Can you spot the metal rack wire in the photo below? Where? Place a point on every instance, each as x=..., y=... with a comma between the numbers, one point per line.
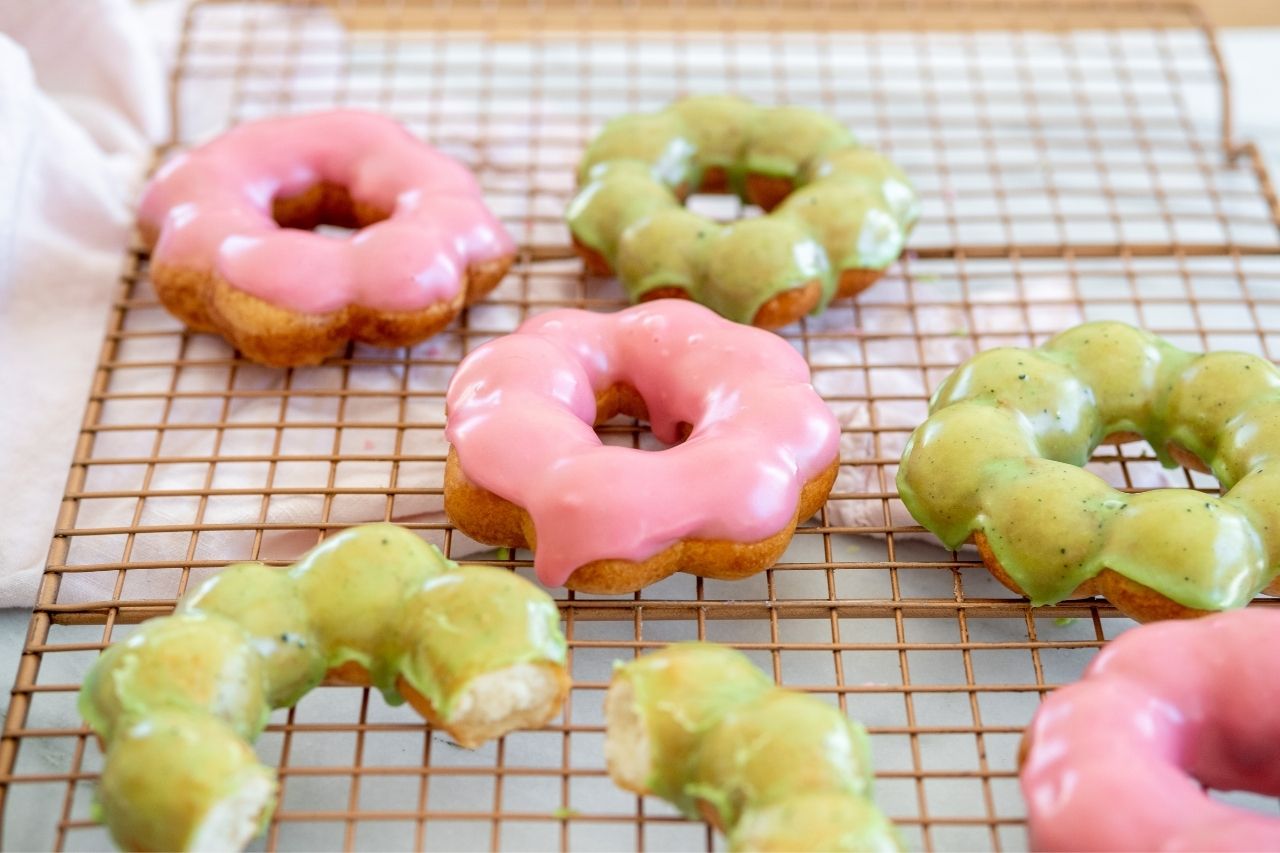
x=1068, y=173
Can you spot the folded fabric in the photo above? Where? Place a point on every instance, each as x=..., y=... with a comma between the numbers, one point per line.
x=75, y=137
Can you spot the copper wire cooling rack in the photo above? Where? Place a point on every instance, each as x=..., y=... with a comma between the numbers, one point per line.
x=1077, y=162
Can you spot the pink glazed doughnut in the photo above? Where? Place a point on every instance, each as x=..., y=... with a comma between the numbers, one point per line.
x=1116, y=760
x=527, y=469
x=232, y=252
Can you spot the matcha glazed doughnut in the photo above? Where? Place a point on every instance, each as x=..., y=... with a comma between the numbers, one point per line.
x=700, y=726
x=999, y=462
x=477, y=651
x=840, y=215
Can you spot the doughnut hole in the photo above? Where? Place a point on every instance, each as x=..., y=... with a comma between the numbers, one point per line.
x=1058, y=407
x=945, y=465
x=1047, y=547
x=1121, y=364
x=1213, y=390
x=325, y=204
x=622, y=400
x=1222, y=558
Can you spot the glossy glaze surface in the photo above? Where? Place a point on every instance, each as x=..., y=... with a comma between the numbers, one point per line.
x=852, y=208
x=1116, y=760
x=1001, y=450
x=779, y=770
x=254, y=638
x=521, y=411
x=212, y=208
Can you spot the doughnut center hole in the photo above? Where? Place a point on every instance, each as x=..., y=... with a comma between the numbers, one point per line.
x=721, y=207
x=325, y=208
x=616, y=407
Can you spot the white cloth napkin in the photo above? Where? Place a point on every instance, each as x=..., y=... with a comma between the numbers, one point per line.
x=75, y=136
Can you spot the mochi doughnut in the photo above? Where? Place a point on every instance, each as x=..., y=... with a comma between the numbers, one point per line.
x=700, y=726
x=838, y=213
x=999, y=462
x=754, y=448
x=477, y=651
x=1117, y=760
x=228, y=222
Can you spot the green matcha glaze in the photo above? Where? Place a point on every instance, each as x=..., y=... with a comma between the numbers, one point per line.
x=851, y=221
x=477, y=619
x=660, y=141
x=681, y=693
x=851, y=206
x=763, y=751
x=780, y=770
x=177, y=703
x=1058, y=408
x=784, y=140
x=753, y=260
x=997, y=455
x=188, y=662
x=624, y=195
x=667, y=249
x=869, y=167
x=719, y=127
x=267, y=604
x=369, y=570
x=167, y=772
x=833, y=822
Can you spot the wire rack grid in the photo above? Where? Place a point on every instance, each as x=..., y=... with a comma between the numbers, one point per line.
x=1076, y=162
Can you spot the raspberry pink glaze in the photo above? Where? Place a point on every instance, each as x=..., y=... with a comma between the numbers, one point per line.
x=212, y=208
x=1116, y=760
x=520, y=417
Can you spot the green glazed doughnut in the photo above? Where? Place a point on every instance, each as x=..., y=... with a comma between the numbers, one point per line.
x=183, y=780
x=998, y=462
x=265, y=603
x=477, y=650
x=700, y=726
x=840, y=213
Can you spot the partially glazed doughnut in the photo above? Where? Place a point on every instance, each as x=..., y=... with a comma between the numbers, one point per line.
x=1117, y=760
x=999, y=461
x=843, y=212
x=477, y=651
x=230, y=254
x=527, y=469
x=700, y=726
